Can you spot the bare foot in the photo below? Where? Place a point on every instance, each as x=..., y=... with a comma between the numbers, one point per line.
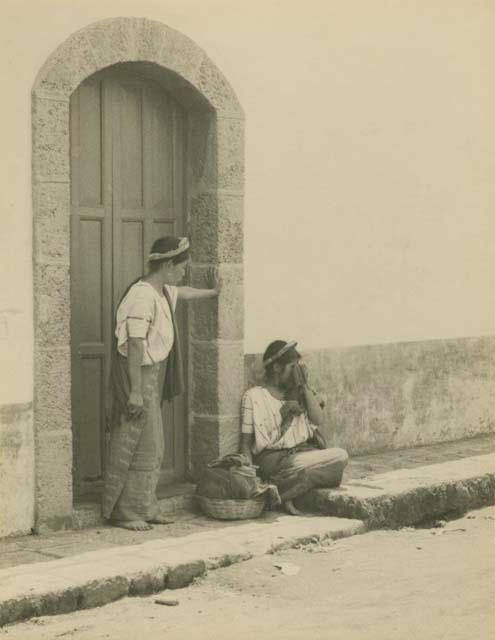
x=132, y=525
x=289, y=507
x=161, y=519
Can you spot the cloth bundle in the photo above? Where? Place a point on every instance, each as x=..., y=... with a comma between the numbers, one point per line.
x=232, y=477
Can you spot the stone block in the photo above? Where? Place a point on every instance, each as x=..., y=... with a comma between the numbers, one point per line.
x=205, y=443
x=230, y=378
x=230, y=229
x=216, y=88
x=148, y=582
x=54, y=478
x=204, y=228
x=100, y=592
x=217, y=158
x=203, y=151
x=51, y=117
x=170, y=49
x=52, y=304
x=217, y=228
x=217, y=378
x=150, y=36
x=230, y=154
x=204, y=358
x=114, y=40
x=211, y=437
x=18, y=609
x=52, y=400
x=203, y=318
x=224, y=318
x=59, y=602
x=50, y=140
x=183, y=574
x=45, y=525
x=52, y=222
x=231, y=304
x=71, y=63
x=228, y=559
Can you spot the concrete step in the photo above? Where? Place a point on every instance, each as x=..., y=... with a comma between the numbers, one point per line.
x=99, y=577
x=173, y=499
x=410, y=496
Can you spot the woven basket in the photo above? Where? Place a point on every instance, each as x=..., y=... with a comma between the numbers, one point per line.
x=232, y=509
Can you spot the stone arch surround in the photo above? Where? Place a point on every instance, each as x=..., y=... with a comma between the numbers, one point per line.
x=215, y=179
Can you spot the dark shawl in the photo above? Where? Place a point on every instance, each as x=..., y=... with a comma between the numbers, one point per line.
x=120, y=384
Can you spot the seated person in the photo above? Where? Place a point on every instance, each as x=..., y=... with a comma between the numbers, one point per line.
x=280, y=432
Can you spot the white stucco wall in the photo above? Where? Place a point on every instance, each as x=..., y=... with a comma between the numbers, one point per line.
x=369, y=150
x=370, y=156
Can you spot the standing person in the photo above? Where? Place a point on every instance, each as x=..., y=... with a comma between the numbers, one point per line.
x=280, y=429
x=146, y=370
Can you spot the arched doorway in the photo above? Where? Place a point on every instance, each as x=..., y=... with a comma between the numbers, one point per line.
x=82, y=205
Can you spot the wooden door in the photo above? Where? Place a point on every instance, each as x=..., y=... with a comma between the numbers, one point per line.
x=127, y=146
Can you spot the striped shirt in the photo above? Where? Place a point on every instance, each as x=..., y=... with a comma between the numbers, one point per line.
x=261, y=418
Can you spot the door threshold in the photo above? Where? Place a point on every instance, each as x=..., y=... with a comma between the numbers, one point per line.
x=175, y=489
x=173, y=498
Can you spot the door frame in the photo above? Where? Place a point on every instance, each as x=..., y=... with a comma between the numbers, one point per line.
x=214, y=217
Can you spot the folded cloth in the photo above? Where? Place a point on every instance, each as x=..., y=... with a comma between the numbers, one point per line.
x=232, y=477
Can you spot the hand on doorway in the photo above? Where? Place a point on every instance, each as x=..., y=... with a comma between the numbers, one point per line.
x=135, y=405
x=214, y=279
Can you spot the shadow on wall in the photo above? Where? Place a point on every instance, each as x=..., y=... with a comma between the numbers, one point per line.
x=401, y=395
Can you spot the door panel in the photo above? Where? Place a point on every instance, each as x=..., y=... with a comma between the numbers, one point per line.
x=90, y=283
x=90, y=440
x=159, y=151
x=86, y=138
x=127, y=190
x=132, y=243
x=128, y=115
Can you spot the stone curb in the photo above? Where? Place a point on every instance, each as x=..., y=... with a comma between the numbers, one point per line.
x=390, y=500
x=411, y=496
x=96, y=578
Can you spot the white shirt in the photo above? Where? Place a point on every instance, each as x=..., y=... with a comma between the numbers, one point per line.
x=261, y=417
x=144, y=313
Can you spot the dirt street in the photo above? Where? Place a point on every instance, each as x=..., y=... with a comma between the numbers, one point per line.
x=411, y=584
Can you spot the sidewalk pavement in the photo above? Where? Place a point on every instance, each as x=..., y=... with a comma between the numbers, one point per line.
x=95, y=578
x=402, y=488
x=62, y=572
